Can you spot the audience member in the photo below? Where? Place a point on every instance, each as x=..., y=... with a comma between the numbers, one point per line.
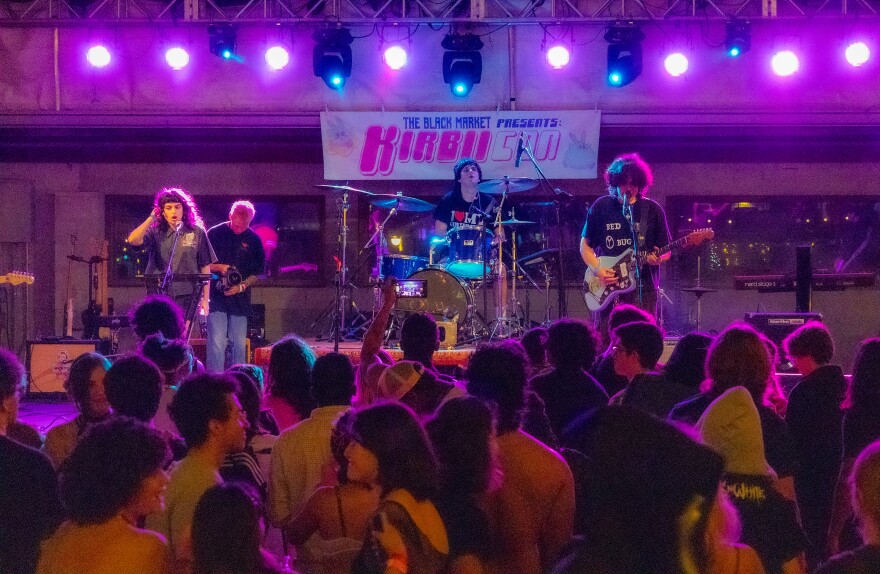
x=725, y=555
x=649, y=495
x=532, y=513
x=29, y=506
x=255, y=372
x=212, y=423
x=534, y=341
x=290, y=372
x=738, y=358
x=567, y=389
x=250, y=465
x=85, y=386
x=227, y=527
x=391, y=453
x=815, y=419
x=687, y=363
x=330, y=529
x=861, y=427
x=157, y=314
x=463, y=437
x=134, y=387
x=111, y=481
x=731, y=425
x=302, y=452
x=603, y=369
x=865, y=486
x=416, y=386
x=175, y=359
x=638, y=348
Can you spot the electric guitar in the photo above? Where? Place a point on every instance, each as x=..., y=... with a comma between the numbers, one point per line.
x=597, y=295
x=17, y=278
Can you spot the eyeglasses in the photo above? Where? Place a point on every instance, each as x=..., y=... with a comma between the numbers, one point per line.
x=616, y=348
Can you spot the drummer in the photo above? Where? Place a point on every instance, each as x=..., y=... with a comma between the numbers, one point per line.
x=466, y=206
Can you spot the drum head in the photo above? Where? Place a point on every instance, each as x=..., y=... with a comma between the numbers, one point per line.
x=449, y=298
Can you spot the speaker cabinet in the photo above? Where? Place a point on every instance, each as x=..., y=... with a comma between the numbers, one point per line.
x=778, y=326
x=49, y=363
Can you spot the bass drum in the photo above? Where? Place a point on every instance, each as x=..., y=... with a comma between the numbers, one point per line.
x=449, y=298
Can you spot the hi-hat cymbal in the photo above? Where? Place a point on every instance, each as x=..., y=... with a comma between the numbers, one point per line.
x=343, y=188
x=401, y=202
x=510, y=185
x=516, y=221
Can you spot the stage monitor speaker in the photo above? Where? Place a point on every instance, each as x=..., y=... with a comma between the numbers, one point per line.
x=49, y=363
x=777, y=326
x=669, y=344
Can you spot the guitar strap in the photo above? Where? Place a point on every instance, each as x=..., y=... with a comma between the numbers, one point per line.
x=642, y=225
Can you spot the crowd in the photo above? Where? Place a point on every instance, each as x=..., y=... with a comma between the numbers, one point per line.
x=570, y=451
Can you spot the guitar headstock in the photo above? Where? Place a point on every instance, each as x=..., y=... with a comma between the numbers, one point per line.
x=17, y=278
x=700, y=235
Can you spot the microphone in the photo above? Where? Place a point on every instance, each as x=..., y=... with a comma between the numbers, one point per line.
x=563, y=193
x=625, y=203
x=519, y=150
x=177, y=226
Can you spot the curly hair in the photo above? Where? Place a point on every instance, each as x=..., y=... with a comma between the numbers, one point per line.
x=460, y=434
x=629, y=168
x=106, y=469
x=134, y=387
x=255, y=372
x=11, y=373
x=170, y=355
x=571, y=343
x=177, y=195
x=290, y=373
x=157, y=314
x=227, y=530
x=496, y=373
x=199, y=400
x=394, y=435
x=79, y=377
x=461, y=164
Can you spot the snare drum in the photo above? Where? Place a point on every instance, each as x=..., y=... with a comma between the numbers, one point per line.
x=449, y=297
x=466, y=252
x=401, y=266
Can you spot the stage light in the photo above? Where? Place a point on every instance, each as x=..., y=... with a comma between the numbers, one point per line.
x=331, y=58
x=738, y=39
x=462, y=62
x=676, y=64
x=624, y=53
x=221, y=40
x=785, y=63
x=177, y=58
x=98, y=56
x=558, y=56
x=857, y=54
x=277, y=58
x=395, y=57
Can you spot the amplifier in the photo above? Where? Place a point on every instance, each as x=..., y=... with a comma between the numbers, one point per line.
x=448, y=334
x=778, y=326
x=49, y=362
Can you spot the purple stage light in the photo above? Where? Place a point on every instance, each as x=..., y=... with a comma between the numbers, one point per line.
x=177, y=58
x=857, y=53
x=395, y=57
x=277, y=57
x=558, y=57
x=785, y=63
x=676, y=64
x=98, y=56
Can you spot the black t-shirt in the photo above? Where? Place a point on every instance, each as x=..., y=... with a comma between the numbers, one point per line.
x=861, y=427
x=454, y=211
x=467, y=527
x=243, y=250
x=567, y=394
x=30, y=509
x=609, y=234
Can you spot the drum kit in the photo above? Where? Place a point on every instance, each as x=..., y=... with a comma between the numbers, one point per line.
x=471, y=263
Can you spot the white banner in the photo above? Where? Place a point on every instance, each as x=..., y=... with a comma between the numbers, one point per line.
x=425, y=145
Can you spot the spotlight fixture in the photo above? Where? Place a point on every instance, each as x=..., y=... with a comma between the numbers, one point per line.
x=98, y=56
x=177, y=58
x=395, y=56
x=331, y=58
x=558, y=56
x=624, y=53
x=857, y=54
x=221, y=40
x=738, y=37
x=462, y=62
x=277, y=58
x=785, y=63
x=676, y=64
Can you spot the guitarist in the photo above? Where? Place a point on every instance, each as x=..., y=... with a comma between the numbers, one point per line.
x=614, y=220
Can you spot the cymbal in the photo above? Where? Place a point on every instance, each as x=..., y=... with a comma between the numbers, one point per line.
x=516, y=221
x=343, y=188
x=537, y=204
x=401, y=202
x=510, y=184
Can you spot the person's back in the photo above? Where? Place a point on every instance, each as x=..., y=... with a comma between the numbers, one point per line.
x=655, y=394
x=567, y=393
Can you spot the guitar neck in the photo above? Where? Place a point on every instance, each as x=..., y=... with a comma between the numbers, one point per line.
x=663, y=250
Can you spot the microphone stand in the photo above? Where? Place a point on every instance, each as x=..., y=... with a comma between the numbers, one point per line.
x=628, y=214
x=560, y=240
x=168, y=277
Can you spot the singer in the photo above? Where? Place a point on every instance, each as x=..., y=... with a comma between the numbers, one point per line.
x=175, y=223
x=615, y=219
